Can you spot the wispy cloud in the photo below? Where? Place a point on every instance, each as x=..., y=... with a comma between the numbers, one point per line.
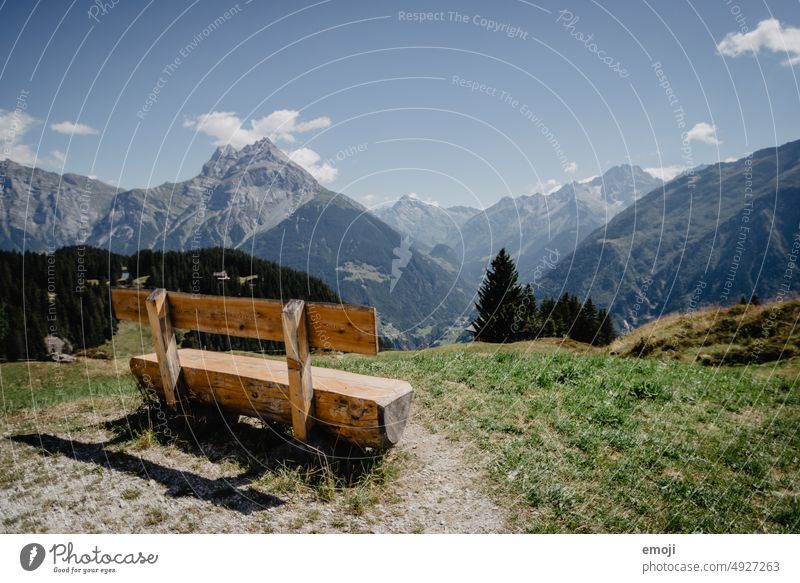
x=323, y=172
x=372, y=200
x=703, y=132
x=58, y=156
x=13, y=127
x=428, y=201
x=280, y=125
x=546, y=187
x=666, y=173
x=69, y=127
x=769, y=35
x=571, y=168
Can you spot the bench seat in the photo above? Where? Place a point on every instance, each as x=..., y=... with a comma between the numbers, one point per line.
x=367, y=410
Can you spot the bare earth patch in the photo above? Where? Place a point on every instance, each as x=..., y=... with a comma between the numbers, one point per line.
x=79, y=468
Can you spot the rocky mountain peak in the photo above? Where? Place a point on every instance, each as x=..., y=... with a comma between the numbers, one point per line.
x=260, y=155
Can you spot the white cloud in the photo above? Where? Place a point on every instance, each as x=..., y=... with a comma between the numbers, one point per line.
x=588, y=179
x=547, y=187
x=280, y=125
x=769, y=35
x=374, y=201
x=666, y=173
x=13, y=126
x=429, y=201
x=571, y=168
x=68, y=127
x=324, y=173
x=703, y=132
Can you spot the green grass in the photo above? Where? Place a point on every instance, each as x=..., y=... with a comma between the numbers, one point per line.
x=736, y=335
x=576, y=441
x=38, y=385
x=595, y=443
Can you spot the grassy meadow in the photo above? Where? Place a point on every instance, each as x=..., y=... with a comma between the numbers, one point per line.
x=598, y=443
x=573, y=438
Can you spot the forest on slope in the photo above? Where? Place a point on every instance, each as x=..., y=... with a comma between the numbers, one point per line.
x=67, y=293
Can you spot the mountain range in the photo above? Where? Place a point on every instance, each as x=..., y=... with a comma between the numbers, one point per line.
x=711, y=236
x=427, y=224
x=636, y=245
x=254, y=199
x=532, y=228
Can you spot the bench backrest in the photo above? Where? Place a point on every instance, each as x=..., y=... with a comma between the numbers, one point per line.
x=342, y=327
x=298, y=324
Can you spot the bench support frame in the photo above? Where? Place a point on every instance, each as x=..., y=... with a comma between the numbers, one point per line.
x=166, y=346
x=298, y=362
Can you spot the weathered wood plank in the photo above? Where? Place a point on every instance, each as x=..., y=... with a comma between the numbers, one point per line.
x=343, y=327
x=298, y=364
x=365, y=410
x=165, y=345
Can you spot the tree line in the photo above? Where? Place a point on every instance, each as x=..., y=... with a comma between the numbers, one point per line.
x=507, y=311
x=67, y=293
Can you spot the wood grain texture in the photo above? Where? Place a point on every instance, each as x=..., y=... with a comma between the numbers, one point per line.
x=364, y=410
x=342, y=327
x=166, y=346
x=298, y=363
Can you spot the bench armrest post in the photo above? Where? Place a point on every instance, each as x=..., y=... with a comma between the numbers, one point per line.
x=301, y=393
x=165, y=344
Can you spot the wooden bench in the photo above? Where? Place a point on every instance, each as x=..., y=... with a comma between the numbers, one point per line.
x=364, y=410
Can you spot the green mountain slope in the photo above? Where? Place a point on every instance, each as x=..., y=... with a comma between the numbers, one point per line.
x=708, y=237
x=365, y=261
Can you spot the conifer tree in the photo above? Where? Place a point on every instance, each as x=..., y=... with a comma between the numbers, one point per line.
x=605, y=333
x=585, y=326
x=499, y=299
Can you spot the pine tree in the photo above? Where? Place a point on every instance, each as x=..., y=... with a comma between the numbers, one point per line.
x=532, y=324
x=548, y=327
x=499, y=302
x=605, y=332
x=584, y=328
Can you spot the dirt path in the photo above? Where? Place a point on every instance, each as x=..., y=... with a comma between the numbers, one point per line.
x=443, y=492
x=84, y=478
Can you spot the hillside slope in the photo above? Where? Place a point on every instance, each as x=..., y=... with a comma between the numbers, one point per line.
x=708, y=237
x=741, y=334
x=364, y=261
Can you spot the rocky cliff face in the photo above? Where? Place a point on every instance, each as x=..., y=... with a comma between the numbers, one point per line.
x=42, y=210
x=536, y=226
x=427, y=224
x=238, y=194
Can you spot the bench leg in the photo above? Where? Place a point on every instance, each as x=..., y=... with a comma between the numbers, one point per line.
x=301, y=393
x=166, y=346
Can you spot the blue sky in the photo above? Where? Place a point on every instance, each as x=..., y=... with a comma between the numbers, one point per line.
x=457, y=102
